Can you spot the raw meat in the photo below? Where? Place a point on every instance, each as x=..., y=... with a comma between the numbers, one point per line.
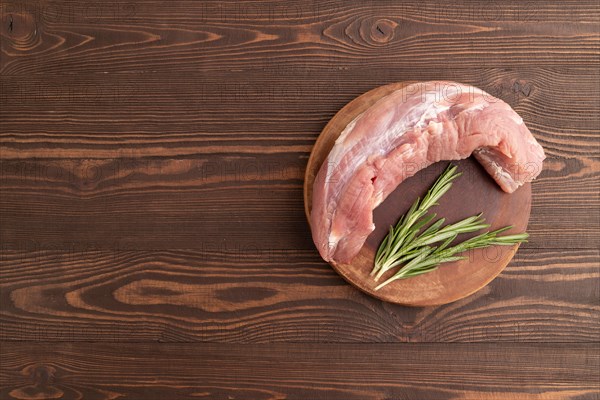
x=403, y=133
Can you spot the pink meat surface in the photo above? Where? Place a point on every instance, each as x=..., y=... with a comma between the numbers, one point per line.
x=403, y=133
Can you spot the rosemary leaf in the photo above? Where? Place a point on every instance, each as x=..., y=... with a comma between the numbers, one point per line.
x=410, y=243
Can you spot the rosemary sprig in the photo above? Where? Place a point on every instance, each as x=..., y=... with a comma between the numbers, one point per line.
x=408, y=226
x=433, y=234
x=405, y=244
x=430, y=257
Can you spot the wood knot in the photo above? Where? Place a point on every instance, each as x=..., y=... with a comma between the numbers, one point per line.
x=41, y=384
x=522, y=87
x=382, y=30
x=41, y=374
x=20, y=28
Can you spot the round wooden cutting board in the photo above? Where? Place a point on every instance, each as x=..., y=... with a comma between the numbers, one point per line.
x=475, y=191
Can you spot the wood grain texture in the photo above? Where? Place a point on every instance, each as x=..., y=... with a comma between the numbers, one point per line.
x=296, y=371
x=152, y=159
x=261, y=296
x=71, y=36
x=276, y=108
x=228, y=200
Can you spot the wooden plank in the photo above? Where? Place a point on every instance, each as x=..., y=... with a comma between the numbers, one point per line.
x=299, y=371
x=256, y=296
x=152, y=157
x=74, y=36
x=230, y=200
x=263, y=110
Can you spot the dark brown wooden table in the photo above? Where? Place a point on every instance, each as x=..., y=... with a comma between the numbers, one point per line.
x=153, y=238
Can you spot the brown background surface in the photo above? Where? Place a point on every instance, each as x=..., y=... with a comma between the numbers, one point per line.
x=154, y=244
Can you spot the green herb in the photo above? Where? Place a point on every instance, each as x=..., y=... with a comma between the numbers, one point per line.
x=406, y=245
x=409, y=224
x=433, y=234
